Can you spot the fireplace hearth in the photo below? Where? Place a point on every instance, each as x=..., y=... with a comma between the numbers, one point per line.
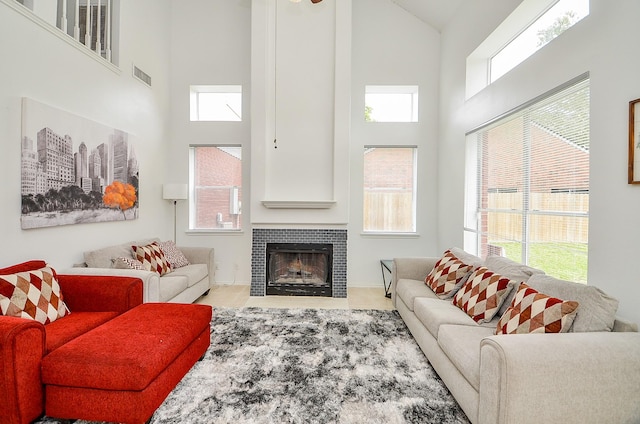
x=299, y=269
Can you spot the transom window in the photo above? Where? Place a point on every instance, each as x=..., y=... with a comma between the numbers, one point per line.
x=391, y=103
x=216, y=102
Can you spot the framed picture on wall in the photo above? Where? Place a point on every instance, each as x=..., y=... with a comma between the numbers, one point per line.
x=634, y=141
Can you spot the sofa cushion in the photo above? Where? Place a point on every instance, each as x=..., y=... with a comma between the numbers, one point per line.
x=174, y=255
x=73, y=325
x=461, y=344
x=152, y=258
x=597, y=309
x=33, y=295
x=194, y=273
x=434, y=312
x=172, y=285
x=483, y=293
x=448, y=274
x=408, y=290
x=535, y=312
x=514, y=271
x=103, y=258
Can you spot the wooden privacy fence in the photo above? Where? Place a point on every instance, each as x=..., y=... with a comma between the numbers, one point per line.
x=388, y=211
x=549, y=217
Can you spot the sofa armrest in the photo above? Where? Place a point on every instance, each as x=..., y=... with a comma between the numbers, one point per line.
x=575, y=377
x=410, y=269
x=97, y=293
x=201, y=255
x=22, y=346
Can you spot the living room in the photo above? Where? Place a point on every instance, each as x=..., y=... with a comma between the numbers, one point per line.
x=214, y=46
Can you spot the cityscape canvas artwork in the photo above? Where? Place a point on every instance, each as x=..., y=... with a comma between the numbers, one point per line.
x=74, y=170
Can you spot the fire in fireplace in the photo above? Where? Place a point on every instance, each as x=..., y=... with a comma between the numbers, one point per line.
x=299, y=269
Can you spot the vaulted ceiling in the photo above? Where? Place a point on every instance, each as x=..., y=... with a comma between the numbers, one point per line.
x=436, y=13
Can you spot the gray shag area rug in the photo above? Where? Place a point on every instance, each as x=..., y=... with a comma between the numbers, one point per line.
x=309, y=366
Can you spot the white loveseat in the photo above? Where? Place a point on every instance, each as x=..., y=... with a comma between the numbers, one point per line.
x=573, y=377
x=181, y=285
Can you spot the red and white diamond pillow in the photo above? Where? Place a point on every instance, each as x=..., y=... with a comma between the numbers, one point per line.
x=447, y=275
x=33, y=295
x=152, y=258
x=482, y=294
x=535, y=312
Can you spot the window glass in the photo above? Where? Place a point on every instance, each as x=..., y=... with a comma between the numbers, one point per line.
x=216, y=103
x=391, y=103
x=216, y=188
x=389, y=189
x=527, y=185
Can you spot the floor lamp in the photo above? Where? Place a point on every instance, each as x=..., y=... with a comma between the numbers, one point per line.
x=174, y=192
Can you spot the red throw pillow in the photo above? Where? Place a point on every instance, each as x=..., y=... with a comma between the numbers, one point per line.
x=152, y=258
x=447, y=275
x=24, y=266
x=482, y=294
x=33, y=294
x=535, y=312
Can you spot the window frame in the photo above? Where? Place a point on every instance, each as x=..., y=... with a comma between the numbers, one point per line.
x=476, y=232
x=414, y=192
x=193, y=196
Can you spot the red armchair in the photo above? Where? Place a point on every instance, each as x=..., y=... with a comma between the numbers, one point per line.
x=92, y=300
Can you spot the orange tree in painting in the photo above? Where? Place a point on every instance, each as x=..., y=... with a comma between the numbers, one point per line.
x=120, y=195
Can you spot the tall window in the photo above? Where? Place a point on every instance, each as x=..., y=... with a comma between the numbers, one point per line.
x=216, y=102
x=390, y=189
x=215, y=184
x=527, y=184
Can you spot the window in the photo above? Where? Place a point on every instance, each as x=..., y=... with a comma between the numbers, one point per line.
x=216, y=103
x=215, y=184
x=531, y=26
x=391, y=103
x=527, y=184
x=390, y=189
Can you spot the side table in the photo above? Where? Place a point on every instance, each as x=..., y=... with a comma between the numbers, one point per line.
x=385, y=267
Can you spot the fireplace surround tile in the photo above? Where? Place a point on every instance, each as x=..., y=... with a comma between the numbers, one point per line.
x=262, y=236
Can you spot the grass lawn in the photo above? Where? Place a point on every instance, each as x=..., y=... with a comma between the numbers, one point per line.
x=567, y=261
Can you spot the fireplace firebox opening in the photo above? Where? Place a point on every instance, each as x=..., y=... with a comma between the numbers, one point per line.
x=299, y=269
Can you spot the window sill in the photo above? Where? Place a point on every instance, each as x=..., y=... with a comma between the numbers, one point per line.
x=374, y=234
x=215, y=231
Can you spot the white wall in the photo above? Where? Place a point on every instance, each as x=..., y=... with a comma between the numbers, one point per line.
x=41, y=66
x=214, y=46
x=211, y=45
x=391, y=47
x=603, y=45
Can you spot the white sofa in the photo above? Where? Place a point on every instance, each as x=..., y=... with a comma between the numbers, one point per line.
x=181, y=285
x=573, y=377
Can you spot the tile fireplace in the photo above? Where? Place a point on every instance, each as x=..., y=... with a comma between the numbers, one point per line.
x=299, y=262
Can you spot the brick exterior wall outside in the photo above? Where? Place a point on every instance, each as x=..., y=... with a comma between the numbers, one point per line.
x=216, y=172
x=262, y=236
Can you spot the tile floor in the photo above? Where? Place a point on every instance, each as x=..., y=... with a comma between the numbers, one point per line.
x=237, y=296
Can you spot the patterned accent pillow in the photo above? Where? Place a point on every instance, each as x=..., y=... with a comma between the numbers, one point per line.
x=174, y=255
x=152, y=258
x=534, y=312
x=482, y=294
x=448, y=274
x=32, y=294
x=127, y=263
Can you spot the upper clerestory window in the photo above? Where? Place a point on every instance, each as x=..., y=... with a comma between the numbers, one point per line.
x=531, y=26
x=391, y=103
x=216, y=103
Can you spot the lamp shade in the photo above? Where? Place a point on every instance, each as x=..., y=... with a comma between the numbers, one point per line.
x=174, y=191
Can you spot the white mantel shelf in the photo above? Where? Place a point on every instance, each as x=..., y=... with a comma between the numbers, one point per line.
x=298, y=204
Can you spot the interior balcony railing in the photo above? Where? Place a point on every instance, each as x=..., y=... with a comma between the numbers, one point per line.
x=90, y=23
